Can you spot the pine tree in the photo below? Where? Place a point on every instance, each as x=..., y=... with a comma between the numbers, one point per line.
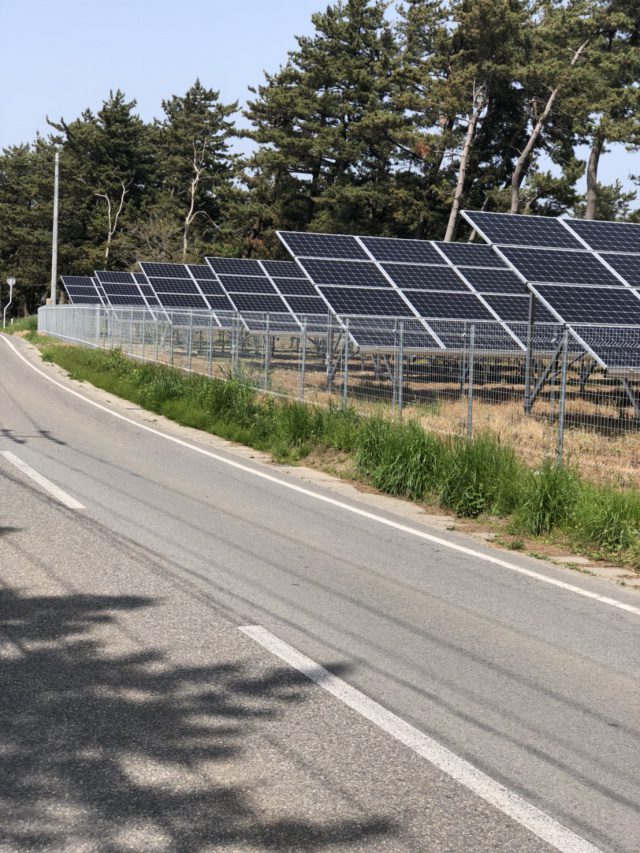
x=325, y=122
x=194, y=161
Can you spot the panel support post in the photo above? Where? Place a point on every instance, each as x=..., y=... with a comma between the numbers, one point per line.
x=472, y=359
x=267, y=353
x=528, y=399
x=345, y=360
x=633, y=399
x=563, y=396
x=302, y=359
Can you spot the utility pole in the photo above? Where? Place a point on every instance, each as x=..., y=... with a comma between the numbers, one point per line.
x=54, y=243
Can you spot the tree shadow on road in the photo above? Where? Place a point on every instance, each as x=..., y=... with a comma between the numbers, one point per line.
x=104, y=749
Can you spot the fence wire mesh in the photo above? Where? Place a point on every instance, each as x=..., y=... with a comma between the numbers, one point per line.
x=542, y=393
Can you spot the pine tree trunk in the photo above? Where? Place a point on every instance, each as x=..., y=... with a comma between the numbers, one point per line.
x=523, y=160
x=592, y=176
x=478, y=106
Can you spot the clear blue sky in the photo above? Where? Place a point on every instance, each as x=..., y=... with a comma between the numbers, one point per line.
x=58, y=57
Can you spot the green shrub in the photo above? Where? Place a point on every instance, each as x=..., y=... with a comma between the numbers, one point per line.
x=479, y=476
x=607, y=518
x=398, y=458
x=547, y=500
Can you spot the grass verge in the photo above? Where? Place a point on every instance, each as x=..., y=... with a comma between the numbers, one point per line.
x=472, y=478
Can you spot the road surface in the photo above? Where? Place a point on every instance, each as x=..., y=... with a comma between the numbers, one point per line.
x=218, y=654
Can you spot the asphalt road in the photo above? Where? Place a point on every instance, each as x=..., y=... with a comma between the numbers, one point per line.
x=135, y=715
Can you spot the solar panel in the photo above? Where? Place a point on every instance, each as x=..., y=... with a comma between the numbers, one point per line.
x=246, y=284
x=512, y=229
x=458, y=306
x=164, y=270
x=211, y=288
x=201, y=271
x=303, y=245
x=366, y=301
x=470, y=254
x=281, y=269
x=295, y=287
x=345, y=273
x=488, y=336
x=559, y=266
x=238, y=266
x=173, y=285
x=81, y=290
x=514, y=309
x=592, y=305
x=607, y=236
x=628, y=266
x=121, y=288
x=616, y=348
x=424, y=277
x=494, y=280
x=403, y=251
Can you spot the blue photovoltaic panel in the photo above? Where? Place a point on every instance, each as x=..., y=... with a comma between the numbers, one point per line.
x=153, y=270
x=424, y=277
x=81, y=290
x=301, y=305
x=235, y=266
x=606, y=306
x=515, y=309
x=547, y=265
x=366, y=301
x=211, y=288
x=402, y=251
x=616, y=348
x=282, y=269
x=173, y=285
x=459, y=306
x=513, y=229
x=470, y=255
x=115, y=276
x=247, y=284
x=201, y=271
x=295, y=287
x=628, y=266
x=607, y=236
x=494, y=280
x=345, y=273
x=121, y=288
x=305, y=245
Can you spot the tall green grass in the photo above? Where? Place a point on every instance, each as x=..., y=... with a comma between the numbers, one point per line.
x=469, y=477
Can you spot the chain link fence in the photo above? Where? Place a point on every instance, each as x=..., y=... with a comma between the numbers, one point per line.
x=551, y=400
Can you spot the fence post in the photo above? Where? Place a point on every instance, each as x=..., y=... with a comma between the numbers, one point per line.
x=400, y=368
x=329, y=353
x=303, y=359
x=190, y=340
x=157, y=325
x=472, y=354
x=130, y=331
x=210, y=353
x=267, y=353
x=345, y=360
x=144, y=331
x=563, y=396
x=171, y=340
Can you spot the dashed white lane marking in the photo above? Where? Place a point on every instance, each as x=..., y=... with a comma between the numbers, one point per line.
x=354, y=510
x=528, y=816
x=47, y=485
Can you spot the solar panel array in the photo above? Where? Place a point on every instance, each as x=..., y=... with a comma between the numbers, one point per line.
x=81, y=290
x=274, y=288
x=581, y=272
x=443, y=285
x=121, y=289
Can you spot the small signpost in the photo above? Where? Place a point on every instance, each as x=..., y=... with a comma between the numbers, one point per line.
x=10, y=281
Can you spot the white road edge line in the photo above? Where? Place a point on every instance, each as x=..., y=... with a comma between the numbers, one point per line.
x=508, y=802
x=371, y=516
x=47, y=485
